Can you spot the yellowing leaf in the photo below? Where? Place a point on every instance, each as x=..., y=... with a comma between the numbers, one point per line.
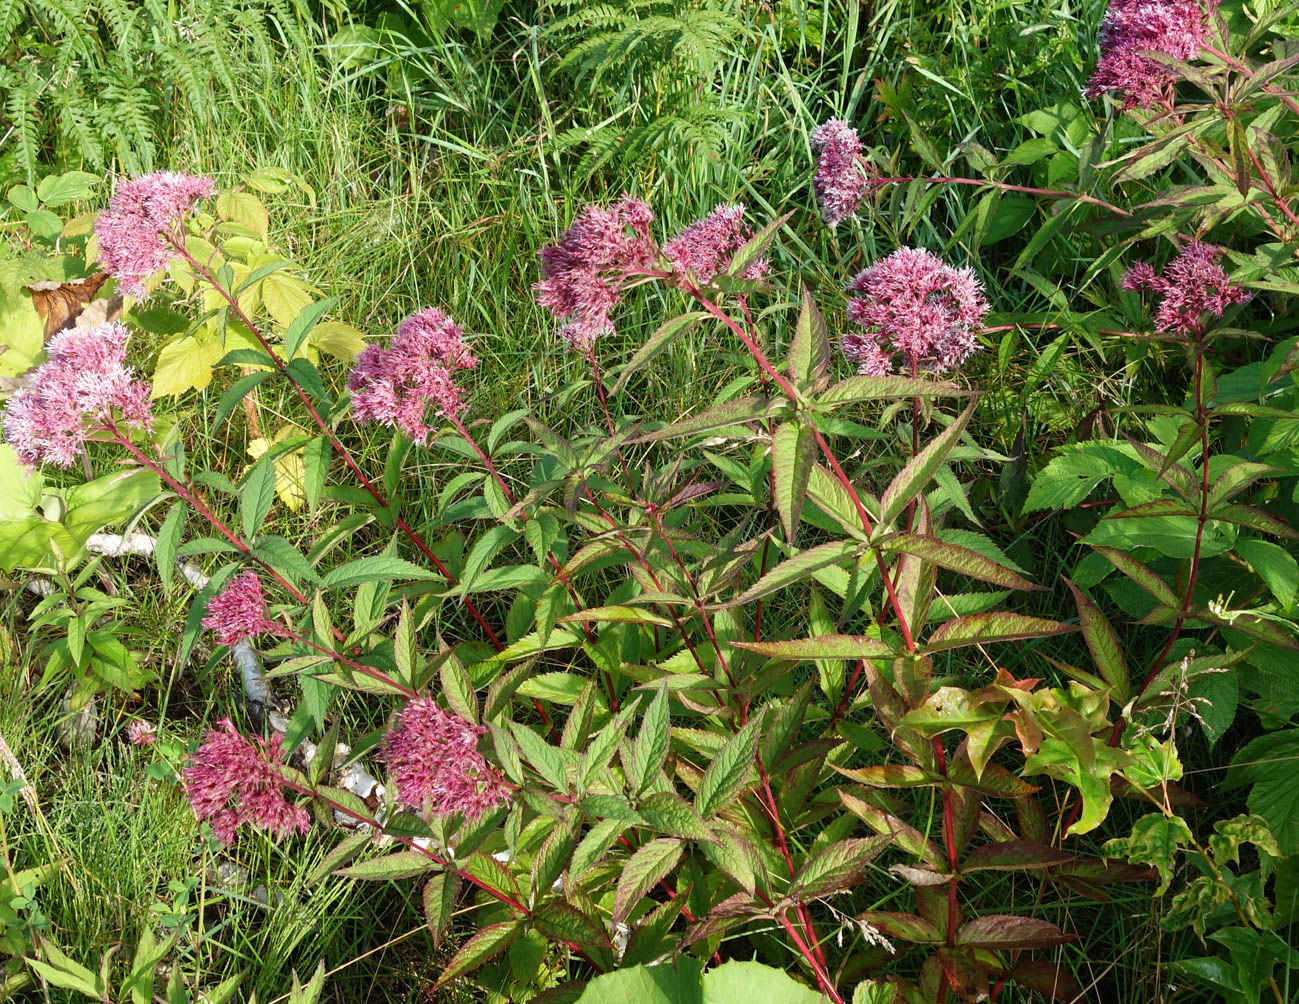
x=339, y=339
x=185, y=364
x=290, y=469
x=285, y=296
x=245, y=209
x=22, y=333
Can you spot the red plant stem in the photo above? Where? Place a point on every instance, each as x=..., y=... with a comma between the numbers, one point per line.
x=822, y=977
x=334, y=442
x=1238, y=65
x=824, y=447
x=409, y=842
x=846, y=698
x=949, y=836
x=123, y=440
x=782, y=845
x=599, y=390
x=1004, y=186
x=1281, y=204
x=369, y=671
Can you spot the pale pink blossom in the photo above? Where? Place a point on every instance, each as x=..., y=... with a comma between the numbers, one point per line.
x=415, y=375
x=1130, y=31
x=840, y=183
x=84, y=384
x=142, y=218
x=435, y=765
x=1193, y=285
x=142, y=733
x=705, y=248
x=583, y=276
x=233, y=780
x=914, y=304
x=238, y=611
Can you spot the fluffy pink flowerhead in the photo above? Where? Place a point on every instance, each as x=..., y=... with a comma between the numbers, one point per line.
x=143, y=212
x=238, y=611
x=142, y=733
x=705, y=247
x=435, y=765
x=912, y=303
x=582, y=277
x=399, y=386
x=840, y=182
x=233, y=780
x=84, y=383
x=1193, y=285
x=1130, y=31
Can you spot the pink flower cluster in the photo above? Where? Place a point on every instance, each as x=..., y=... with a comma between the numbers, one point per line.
x=435, y=764
x=141, y=214
x=233, y=780
x=583, y=276
x=912, y=303
x=397, y=386
x=840, y=182
x=1193, y=284
x=83, y=383
x=238, y=611
x=705, y=248
x=142, y=733
x=1130, y=31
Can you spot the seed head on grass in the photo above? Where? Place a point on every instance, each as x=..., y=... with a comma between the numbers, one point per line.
x=1130, y=31
x=1193, y=285
x=914, y=304
x=840, y=182
x=582, y=277
x=704, y=248
x=238, y=611
x=399, y=385
x=85, y=381
x=435, y=764
x=233, y=780
x=131, y=229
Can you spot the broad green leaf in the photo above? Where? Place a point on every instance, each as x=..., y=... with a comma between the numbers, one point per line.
x=302, y=324
x=729, y=773
x=338, y=339
x=643, y=870
x=1270, y=764
x=24, y=331
x=185, y=364
x=488, y=942
x=1155, y=840
x=914, y=477
x=1274, y=565
x=809, y=352
x=793, y=450
x=650, y=749
x=245, y=209
x=544, y=758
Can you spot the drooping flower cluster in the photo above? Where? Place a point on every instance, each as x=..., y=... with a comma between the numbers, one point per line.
x=914, y=304
x=83, y=383
x=130, y=231
x=233, y=780
x=435, y=764
x=238, y=611
x=705, y=247
x=1193, y=284
x=582, y=277
x=1130, y=31
x=400, y=385
x=142, y=733
x=840, y=182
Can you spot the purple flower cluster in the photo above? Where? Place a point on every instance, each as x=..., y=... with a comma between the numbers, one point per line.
x=131, y=230
x=1193, y=284
x=83, y=383
x=912, y=303
x=142, y=733
x=1130, y=31
x=840, y=182
x=397, y=386
x=238, y=611
x=582, y=277
x=705, y=247
x=233, y=780
x=435, y=764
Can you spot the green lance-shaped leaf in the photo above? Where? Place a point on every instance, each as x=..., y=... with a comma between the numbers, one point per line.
x=730, y=770
x=1140, y=574
x=793, y=449
x=859, y=389
x=652, y=862
x=398, y=865
x=756, y=246
x=798, y=568
x=439, y=904
x=650, y=749
x=488, y=942
x=302, y=324
x=666, y=333
x=721, y=416
x=837, y=867
x=992, y=627
x=831, y=646
x=375, y=568
x=1102, y=642
x=809, y=352
x=544, y=758
x=257, y=496
x=956, y=558
x=913, y=478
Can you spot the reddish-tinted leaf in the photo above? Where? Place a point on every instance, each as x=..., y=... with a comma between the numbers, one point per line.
x=889, y=775
x=1102, y=642
x=831, y=646
x=992, y=627
x=904, y=926
x=1010, y=931
x=652, y=862
x=914, y=477
x=1046, y=978
x=957, y=559
x=835, y=868
x=1011, y=855
x=1139, y=574
x=482, y=946
x=965, y=975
